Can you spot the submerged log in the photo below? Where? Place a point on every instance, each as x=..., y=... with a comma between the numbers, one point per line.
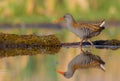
x=112, y=44
x=13, y=45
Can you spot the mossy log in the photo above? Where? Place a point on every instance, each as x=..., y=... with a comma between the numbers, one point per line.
x=13, y=45
x=112, y=44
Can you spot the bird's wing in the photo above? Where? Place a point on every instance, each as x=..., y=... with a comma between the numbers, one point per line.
x=101, y=23
x=93, y=27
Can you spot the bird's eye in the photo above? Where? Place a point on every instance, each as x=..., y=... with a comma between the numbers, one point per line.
x=64, y=16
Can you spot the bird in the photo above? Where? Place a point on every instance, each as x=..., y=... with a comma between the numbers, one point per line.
x=84, y=60
x=83, y=30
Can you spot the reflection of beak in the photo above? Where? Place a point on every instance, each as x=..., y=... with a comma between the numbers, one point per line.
x=60, y=19
x=60, y=72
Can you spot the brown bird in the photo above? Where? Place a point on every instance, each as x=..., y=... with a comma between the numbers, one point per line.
x=83, y=30
x=83, y=60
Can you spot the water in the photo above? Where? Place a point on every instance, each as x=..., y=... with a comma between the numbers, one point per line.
x=108, y=52
x=42, y=67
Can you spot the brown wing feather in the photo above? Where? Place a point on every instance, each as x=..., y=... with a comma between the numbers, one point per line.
x=93, y=27
x=100, y=22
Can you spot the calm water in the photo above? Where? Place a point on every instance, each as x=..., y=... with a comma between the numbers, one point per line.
x=43, y=67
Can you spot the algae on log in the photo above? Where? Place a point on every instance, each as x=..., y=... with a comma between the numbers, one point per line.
x=14, y=45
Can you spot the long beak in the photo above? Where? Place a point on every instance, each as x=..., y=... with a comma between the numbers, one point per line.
x=60, y=19
x=60, y=72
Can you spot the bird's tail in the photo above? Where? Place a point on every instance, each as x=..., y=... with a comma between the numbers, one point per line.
x=102, y=67
x=102, y=23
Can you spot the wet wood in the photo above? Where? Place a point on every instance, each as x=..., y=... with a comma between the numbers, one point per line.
x=100, y=44
x=14, y=45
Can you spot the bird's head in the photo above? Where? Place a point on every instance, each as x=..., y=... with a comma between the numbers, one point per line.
x=65, y=74
x=66, y=17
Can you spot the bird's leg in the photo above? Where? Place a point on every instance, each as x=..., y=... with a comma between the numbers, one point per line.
x=92, y=45
x=81, y=45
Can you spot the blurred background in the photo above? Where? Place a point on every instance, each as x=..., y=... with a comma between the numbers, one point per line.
x=43, y=67
x=14, y=11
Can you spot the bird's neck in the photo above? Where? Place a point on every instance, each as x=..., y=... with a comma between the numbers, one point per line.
x=71, y=21
x=70, y=72
x=71, y=26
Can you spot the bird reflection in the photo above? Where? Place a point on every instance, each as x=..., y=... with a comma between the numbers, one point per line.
x=83, y=60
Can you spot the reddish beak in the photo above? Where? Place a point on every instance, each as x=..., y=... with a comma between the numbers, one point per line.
x=60, y=19
x=60, y=72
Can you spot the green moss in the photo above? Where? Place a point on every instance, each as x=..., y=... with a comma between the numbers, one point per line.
x=13, y=45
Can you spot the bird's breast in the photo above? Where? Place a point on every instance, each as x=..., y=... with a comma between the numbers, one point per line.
x=79, y=31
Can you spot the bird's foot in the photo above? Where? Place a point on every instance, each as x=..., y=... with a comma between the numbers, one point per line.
x=81, y=49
